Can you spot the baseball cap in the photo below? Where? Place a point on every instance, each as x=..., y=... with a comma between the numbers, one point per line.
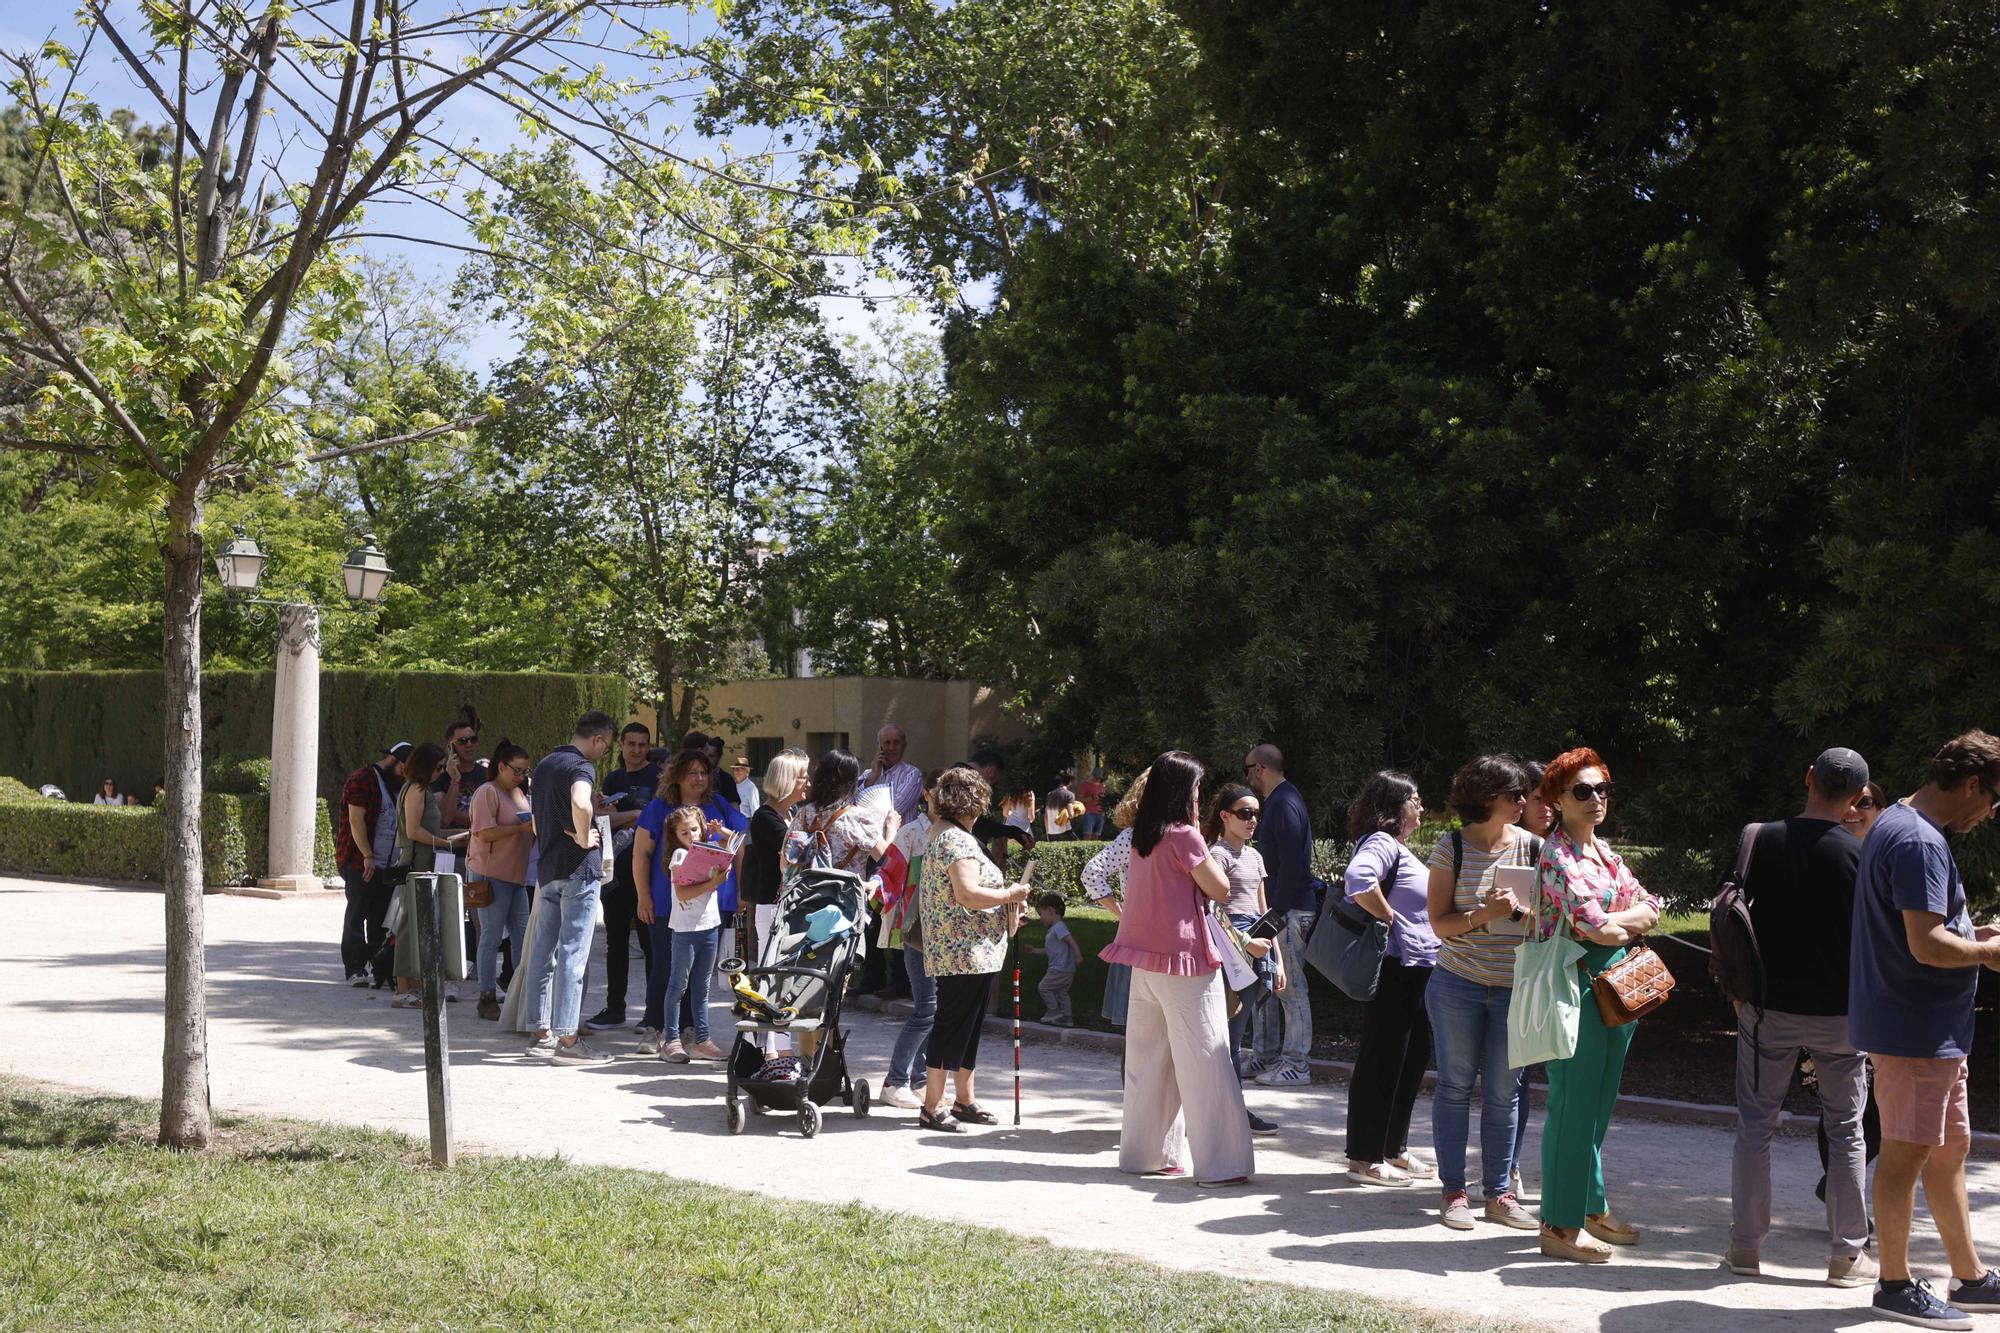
x=1840, y=771
x=401, y=749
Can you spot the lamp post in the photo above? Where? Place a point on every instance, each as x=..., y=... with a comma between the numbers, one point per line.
x=295, y=700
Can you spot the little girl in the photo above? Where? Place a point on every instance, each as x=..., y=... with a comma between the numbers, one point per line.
x=693, y=924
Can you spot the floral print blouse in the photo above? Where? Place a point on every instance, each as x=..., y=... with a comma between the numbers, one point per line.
x=1579, y=890
x=959, y=941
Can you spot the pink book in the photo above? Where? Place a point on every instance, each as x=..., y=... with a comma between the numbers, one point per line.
x=700, y=862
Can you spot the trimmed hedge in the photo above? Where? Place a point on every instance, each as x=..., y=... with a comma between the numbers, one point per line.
x=91, y=842
x=73, y=728
x=1685, y=880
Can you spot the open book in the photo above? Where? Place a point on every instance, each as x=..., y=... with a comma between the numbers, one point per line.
x=703, y=858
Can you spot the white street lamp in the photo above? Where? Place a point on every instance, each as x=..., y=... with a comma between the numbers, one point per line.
x=240, y=563
x=366, y=571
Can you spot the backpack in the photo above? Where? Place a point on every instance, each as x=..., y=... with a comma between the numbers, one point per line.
x=1458, y=853
x=1734, y=959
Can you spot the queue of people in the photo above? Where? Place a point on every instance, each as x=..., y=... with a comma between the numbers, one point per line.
x=1861, y=952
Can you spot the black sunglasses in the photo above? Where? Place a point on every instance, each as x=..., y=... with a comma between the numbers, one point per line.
x=1865, y=803
x=1584, y=791
x=466, y=740
x=1243, y=812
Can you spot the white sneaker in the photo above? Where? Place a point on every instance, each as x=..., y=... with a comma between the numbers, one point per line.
x=901, y=1098
x=1284, y=1076
x=407, y=999
x=1249, y=1069
x=649, y=1041
x=541, y=1048
x=578, y=1053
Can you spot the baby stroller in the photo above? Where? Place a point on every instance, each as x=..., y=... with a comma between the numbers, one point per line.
x=797, y=987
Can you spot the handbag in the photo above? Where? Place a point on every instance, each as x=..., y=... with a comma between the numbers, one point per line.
x=1547, y=1003
x=479, y=893
x=1347, y=944
x=1632, y=987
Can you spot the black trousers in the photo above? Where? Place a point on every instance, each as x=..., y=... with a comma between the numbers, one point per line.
x=361, y=933
x=961, y=1013
x=1389, y=1068
x=621, y=922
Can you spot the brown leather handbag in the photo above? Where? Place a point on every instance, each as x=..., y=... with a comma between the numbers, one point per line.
x=1632, y=987
x=479, y=893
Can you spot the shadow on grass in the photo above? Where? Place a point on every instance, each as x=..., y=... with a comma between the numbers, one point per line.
x=69, y=1124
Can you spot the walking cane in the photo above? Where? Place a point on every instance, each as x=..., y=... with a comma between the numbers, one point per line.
x=1027, y=874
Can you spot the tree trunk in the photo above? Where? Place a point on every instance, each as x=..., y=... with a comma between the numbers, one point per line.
x=184, y=1110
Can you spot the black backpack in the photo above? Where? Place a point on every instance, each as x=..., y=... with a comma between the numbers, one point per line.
x=1734, y=959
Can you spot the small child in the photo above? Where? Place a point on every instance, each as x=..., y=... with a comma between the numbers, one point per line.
x=694, y=924
x=1059, y=947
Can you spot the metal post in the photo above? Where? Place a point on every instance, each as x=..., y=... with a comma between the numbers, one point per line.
x=437, y=1066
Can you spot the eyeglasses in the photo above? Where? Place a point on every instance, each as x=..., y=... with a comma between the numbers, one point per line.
x=519, y=770
x=1514, y=795
x=1584, y=791
x=466, y=740
x=1865, y=803
x=1251, y=768
x=1245, y=813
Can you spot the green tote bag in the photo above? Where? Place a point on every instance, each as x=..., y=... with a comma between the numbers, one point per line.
x=1548, y=996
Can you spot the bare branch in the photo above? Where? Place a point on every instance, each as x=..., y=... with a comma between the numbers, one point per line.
x=144, y=75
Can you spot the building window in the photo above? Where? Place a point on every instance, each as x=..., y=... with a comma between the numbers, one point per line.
x=761, y=750
x=819, y=742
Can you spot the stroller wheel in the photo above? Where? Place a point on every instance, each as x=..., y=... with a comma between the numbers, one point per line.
x=858, y=1099
x=729, y=967
x=808, y=1119
x=738, y=1117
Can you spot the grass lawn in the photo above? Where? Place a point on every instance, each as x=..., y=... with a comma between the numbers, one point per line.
x=307, y=1226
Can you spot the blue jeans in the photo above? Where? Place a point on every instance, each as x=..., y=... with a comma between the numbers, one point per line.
x=561, y=949
x=508, y=911
x=688, y=970
x=1294, y=1002
x=657, y=977
x=1469, y=1040
x=1091, y=827
x=906, y=1062
x=1255, y=1017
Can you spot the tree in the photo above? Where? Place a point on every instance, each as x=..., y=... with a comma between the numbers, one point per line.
x=199, y=272
x=865, y=578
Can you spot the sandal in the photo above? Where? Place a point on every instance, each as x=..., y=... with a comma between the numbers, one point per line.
x=975, y=1114
x=944, y=1125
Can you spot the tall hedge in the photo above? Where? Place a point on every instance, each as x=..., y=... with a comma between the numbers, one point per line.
x=73, y=728
x=43, y=837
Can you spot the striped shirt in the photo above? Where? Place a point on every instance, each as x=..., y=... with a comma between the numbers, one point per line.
x=1479, y=955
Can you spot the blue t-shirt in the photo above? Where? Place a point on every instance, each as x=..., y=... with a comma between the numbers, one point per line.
x=1285, y=841
x=653, y=819
x=556, y=854
x=1895, y=1004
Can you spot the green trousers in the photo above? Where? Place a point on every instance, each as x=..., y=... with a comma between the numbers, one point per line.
x=1582, y=1091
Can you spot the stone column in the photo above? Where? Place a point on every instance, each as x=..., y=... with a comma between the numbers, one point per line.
x=295, y=751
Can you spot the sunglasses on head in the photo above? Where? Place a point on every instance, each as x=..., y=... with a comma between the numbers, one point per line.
x=1244, y=812
x=1584, y=791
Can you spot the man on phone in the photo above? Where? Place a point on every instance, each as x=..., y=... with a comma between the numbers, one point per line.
x=626, y=792
x=904, y=779
x=464, y=771
x=1912, y=977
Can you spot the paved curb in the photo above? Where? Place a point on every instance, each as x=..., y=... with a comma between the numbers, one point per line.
x=1340, y=1071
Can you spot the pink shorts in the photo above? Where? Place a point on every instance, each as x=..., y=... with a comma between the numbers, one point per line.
x=1922, y=1100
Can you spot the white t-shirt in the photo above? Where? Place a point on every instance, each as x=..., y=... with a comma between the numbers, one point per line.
x=692, y=914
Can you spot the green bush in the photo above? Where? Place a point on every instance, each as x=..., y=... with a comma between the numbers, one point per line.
x=93, y=842
x=246, y=775
x=73, y=728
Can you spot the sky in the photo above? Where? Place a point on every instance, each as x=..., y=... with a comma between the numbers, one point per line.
x=26, y=24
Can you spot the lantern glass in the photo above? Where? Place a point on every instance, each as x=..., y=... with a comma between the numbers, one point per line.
x=366, y=572
x=240, y=563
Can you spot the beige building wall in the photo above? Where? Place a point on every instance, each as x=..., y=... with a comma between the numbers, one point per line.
x=941, y=718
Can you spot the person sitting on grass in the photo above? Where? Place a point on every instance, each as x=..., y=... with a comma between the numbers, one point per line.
x=1059, y=947
x=692, y=927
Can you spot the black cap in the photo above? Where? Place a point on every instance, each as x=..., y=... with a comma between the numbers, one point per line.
x=401, y=749
x=1840, y=771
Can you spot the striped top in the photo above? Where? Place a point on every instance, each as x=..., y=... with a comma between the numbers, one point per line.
x=1479, y=955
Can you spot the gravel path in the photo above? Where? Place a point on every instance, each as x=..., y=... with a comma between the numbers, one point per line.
x=80, y=987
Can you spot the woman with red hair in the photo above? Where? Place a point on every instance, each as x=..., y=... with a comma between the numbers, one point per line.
x=1583, y=887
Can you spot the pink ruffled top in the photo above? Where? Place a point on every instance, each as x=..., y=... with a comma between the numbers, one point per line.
x=1161, y=927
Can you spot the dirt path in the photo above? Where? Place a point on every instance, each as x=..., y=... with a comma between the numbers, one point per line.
x=80, y=987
